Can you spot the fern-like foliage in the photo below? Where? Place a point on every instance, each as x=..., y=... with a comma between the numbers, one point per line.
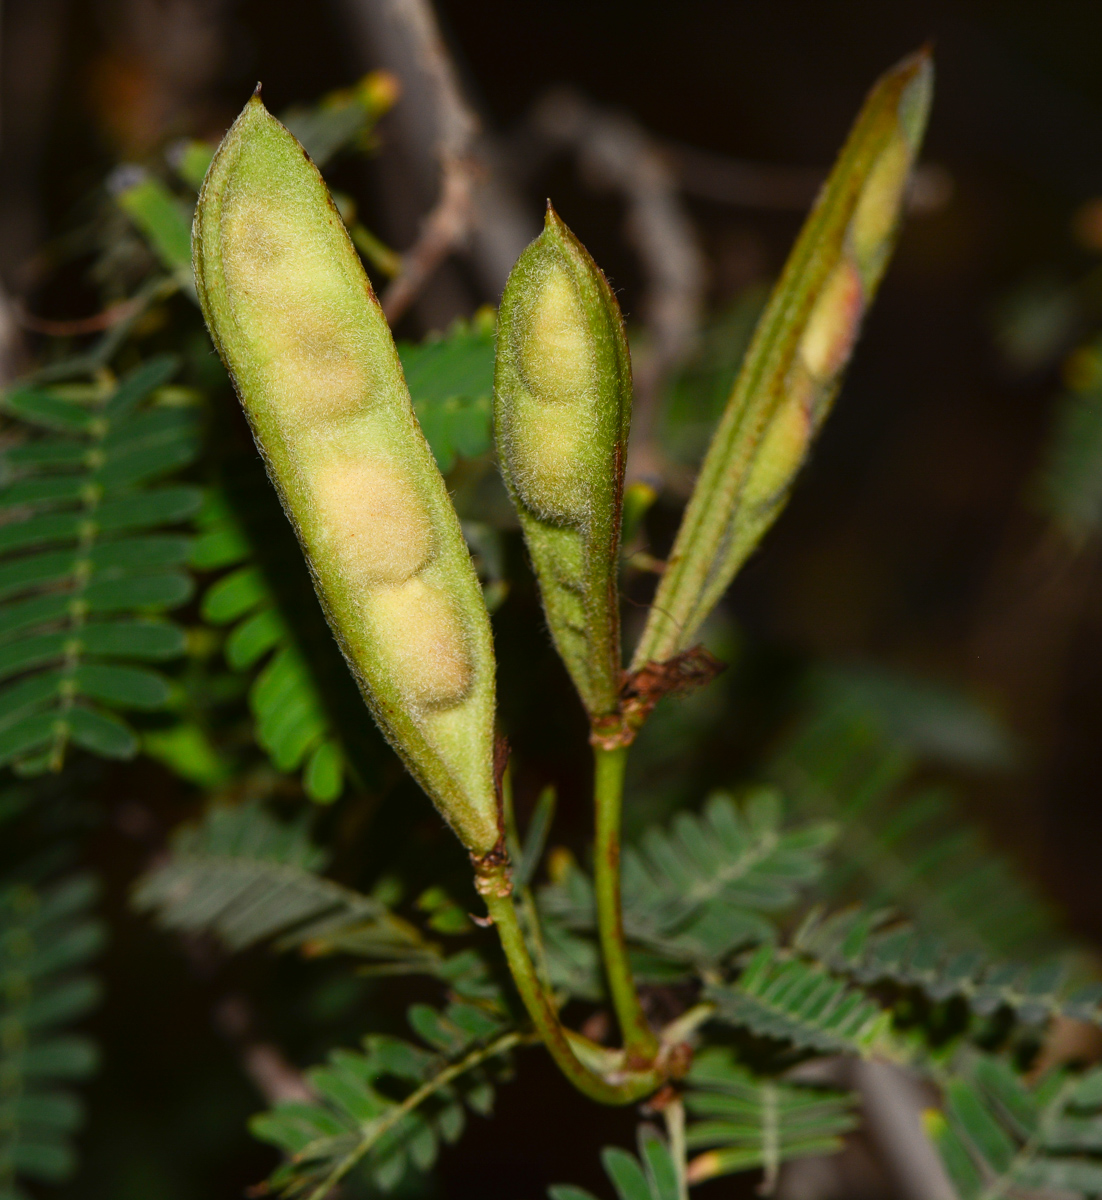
x=998, y=1137
x=872, y=947
x=47, y=937
x=385, y=1111
x=793, y=1001
x=651, y=1176
x=249, y=877
x=901, y=846
x=85, y=568
x=697, y=892
x=751, y=1122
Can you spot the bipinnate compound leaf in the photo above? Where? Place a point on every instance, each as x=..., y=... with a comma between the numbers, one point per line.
x=795, y=362
x=249, y=877
x=872, y=947
x=801, y=1003
x=750, y=1122
x=47, y=938
x=999, y=1136
x=701, y=889
x=382, y=1113
x=300, y=331
x=86, y=562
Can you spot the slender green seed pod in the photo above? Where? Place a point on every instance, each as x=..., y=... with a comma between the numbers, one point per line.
x=562, y=408
x=296, y=322
x=794, y=365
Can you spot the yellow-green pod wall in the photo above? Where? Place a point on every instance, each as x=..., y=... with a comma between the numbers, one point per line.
x=562, y=408
x=314, y=364
x=794, y=365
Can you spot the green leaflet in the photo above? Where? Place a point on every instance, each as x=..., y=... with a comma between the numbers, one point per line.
x=451, y=381
x=562, y=409
x=870, y=947
x=651, y=1176
x=998, y=1137
x=297, y=324
x=83, y=566
x=795, y=361
x=753, y=1122
x=358, y=1125
x=250, y=878
x=793, y=1001
x=161, y=218
x=292, y=724
x=47, y=937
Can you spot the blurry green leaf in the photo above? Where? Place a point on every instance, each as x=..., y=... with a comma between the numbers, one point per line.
x=163, y=220
x=750, y=1122
x=187, y=751
x=101, y=732
x=324, y=776
x=451, y=381
x=234, y=595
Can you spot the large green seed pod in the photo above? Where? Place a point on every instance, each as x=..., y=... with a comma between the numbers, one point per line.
x=562, y=408
x=298, y=326
x=795, y=362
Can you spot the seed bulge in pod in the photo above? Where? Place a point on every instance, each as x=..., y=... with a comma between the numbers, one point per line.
x=371, y=510
x=420, y=634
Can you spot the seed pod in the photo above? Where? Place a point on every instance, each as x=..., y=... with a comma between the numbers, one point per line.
x=794, y=365
x=562, y=408
x=296, y=322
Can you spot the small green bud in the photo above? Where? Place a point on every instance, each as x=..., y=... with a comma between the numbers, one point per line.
x=562, y=408
x=296, y=322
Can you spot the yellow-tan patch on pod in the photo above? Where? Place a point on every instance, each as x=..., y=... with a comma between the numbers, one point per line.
x=372, y=519
x=878, y=206
x=546, y=446
x=317, y=371
x=781, y=449
x=556, y=356
x=833, y=323
x=421, y=642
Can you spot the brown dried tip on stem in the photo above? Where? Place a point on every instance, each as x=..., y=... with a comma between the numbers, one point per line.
x=642, y=689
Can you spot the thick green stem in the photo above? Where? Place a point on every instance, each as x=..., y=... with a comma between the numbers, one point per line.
x=631, y=1086
x=640, y=1041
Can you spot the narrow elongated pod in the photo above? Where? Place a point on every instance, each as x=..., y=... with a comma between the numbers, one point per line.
x=313, y=361
x=795, y=362
x=562, y=409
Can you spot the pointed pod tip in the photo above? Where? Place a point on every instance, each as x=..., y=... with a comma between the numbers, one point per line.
x=554, y=224
x=919, y=64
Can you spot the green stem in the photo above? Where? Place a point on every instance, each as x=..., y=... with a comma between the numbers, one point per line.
x=631, y=1087
x=640, y=1041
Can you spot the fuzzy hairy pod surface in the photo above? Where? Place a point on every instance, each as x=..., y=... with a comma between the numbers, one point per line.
x=562, y=409
x=795, y=362
x=300, y=331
